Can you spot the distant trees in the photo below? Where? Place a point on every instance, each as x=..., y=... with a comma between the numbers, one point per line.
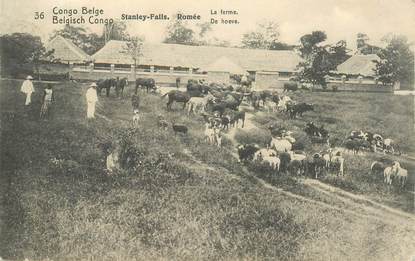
x=264, y=36
x=22, y=53
x=363, y=47
x=115, y=31
x=178, y=32
x=397, y=61
x=134, y=48
x=89, y=42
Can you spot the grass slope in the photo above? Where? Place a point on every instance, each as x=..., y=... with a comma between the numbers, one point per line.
x=184, y=201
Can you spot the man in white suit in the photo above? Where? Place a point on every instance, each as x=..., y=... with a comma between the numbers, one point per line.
x=28, y=89
x=91, y=100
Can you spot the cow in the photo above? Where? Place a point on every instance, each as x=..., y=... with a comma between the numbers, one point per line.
x=246, y=152
x=209, y=133
x=290, y=86
x=271, y=106
x=280, y=145
x=119, y=88
x=316, y=165
x=236, y=117
x=283, y=102
x=199, y=103
x=106, y=84
x=389, y=146
x=337, y=164
x=264, y=152
x=147, y=83
x=177, y=96
x=377, y=168
x=196, y=89
x=355, y=145
x=388, y=175
x=400, y=173
x=285, y=159
x=295, y=110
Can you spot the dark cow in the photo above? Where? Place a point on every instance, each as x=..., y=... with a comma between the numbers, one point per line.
x=196, y=89
x=313, y=131
x=177, y=96
x=106, y=84
x=290, y=86
x=119, y=88
x=230, y=101
x=355, y=145
x=257, y=96
x=147, y=83
x=237, y=116
x=285, y=159
x=178, y=128
x=316, y=165
x=298, y=109
x=246, y=152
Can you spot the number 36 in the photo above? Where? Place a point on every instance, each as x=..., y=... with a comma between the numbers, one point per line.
x=40, y=15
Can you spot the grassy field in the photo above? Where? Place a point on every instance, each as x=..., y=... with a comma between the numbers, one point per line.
x=185, y=200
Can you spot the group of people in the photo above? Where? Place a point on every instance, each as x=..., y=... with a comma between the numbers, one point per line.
x=47, y=99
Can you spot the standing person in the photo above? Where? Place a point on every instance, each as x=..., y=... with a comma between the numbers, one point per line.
x=91, y=100
x=135, y=101
x=177, y=82
x=28, y=89
x=48, y=99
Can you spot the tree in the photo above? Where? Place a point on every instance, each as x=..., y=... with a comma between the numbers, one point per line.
x=338, y=54
x=363, y=47
x=309, y=42
x=397, y=61
x=115, y=31
x=264, y=37
x=21, y=51
x=317, y=62
x=179, y=33
x=89, y=42
x=134, y=49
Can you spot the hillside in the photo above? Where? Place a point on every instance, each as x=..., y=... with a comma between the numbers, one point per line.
x=185, y=201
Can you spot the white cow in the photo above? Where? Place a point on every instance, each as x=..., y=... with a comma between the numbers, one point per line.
x=209, y=134
x=198, y=104
x=264, y=152
x=271, y=106
x=281, y=145
x=387, y=175
x=273, y=161
x=400, y=173
x=282, y=104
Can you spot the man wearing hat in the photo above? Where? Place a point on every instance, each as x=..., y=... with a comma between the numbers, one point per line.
x=27, y=88
x=91, y=100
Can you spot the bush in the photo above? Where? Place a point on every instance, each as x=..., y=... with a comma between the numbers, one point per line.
x=259, y=136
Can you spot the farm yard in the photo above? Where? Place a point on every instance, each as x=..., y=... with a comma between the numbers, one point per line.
x=186, y=199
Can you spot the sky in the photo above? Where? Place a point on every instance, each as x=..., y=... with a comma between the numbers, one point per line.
x=340, y=19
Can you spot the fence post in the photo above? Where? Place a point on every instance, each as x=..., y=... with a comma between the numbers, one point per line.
x=133, y=71
x=112, y=69
x=171, y=69
x=152, y=69
x=190, y=70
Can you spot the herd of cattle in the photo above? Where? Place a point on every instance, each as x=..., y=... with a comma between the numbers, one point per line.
x=219, y=106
